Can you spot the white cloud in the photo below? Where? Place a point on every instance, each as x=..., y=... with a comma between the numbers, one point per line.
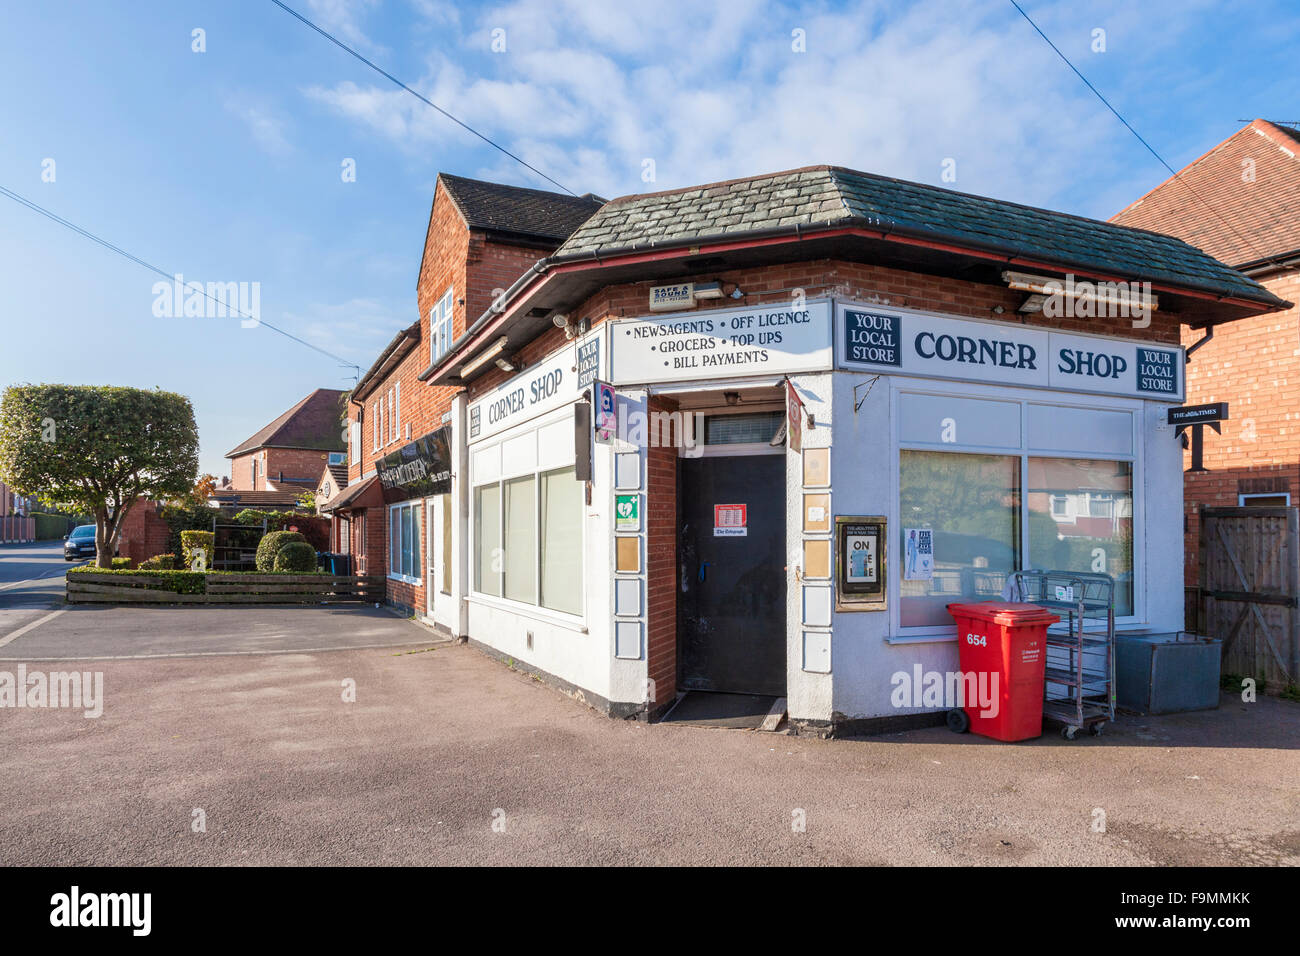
x=588, y=91
x=267, y=130
x=343, y=19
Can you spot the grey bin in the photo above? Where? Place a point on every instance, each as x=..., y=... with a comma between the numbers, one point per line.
x=1167, y=673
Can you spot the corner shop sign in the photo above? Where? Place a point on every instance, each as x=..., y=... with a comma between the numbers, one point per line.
x=1003, y=353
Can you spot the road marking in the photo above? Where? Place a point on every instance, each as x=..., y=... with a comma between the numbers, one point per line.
x=31, y=626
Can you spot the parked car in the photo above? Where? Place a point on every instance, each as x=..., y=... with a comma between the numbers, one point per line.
x=79, y=544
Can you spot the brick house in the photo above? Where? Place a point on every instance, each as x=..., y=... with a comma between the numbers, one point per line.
x=480, y=238
x=287, y=455
x=1247, y=215
x=803, y=368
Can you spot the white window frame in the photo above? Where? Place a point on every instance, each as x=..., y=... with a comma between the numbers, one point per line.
x=1025, y=397
x=354, y=442
x=440, y=324
x=417, y=578
x=1243, y=498
x=537, y=610
x=375, y=425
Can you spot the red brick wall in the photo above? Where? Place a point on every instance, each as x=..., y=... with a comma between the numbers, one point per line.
x=1254, y=366
x=294, y=462
x=144, y=532
x=661, y=564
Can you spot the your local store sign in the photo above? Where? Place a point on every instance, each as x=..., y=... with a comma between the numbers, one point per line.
x=910, y=343
x=727, y=343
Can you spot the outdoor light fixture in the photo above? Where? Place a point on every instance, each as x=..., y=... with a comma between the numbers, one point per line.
x=708, y=290
x=506, y=365
x=484, y=357
x=560, y=319
x=736, y=293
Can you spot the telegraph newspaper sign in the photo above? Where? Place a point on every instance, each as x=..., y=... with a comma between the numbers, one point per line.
x=780, y=338
x=418, y=469
x=1001, y=353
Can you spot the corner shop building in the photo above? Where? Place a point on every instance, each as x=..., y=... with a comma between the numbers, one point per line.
x=949, y=426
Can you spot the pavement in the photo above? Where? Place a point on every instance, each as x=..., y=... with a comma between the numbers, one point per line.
x=445, y=756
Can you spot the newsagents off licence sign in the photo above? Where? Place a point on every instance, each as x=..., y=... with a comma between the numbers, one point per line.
x=1003, y=353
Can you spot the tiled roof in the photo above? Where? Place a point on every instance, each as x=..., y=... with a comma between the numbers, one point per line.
x=514, y=209
x=831, y=194
x=255, y=499
x=340, y=475
x=315, y=423
x=1234, y=219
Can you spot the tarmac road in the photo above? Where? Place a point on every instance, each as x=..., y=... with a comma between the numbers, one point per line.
x=442, y=741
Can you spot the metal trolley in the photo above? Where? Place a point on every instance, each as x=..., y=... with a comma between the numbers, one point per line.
x=1079, y=677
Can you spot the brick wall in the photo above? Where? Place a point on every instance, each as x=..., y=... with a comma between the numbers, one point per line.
x=1253, y=365
x=144, y=532
x=661, y=565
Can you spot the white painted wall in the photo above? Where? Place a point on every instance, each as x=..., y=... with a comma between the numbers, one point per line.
x=866, y=650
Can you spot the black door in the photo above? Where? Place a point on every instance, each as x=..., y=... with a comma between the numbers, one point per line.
x=731, y=600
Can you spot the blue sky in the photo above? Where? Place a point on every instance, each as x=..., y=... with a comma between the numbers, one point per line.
x=225, y=165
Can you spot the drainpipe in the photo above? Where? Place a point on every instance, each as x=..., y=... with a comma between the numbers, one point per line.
x=1209, y=334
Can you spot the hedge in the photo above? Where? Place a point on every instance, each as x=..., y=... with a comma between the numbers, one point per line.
x=178, y=582
x=52, y=527
x=297, y=557
x=192, y=541
x=159, y=562
x=270, y=546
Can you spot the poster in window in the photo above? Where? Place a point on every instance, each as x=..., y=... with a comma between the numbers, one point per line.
x=918, y=554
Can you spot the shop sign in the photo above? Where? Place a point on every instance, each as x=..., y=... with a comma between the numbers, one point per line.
x=666, y=297
x=605, y=405
x=730, y=521
x=588, y=361
x=534, y=391
x=418, y=469
x=999, y=353
x=860, y=562
x=777, y=338
x=627, y=512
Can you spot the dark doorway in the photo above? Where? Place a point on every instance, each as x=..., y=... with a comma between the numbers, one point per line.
x=731, y=574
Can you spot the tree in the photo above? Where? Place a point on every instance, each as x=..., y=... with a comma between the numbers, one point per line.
x=98, y=449
x=307, y=502
x=205, y=487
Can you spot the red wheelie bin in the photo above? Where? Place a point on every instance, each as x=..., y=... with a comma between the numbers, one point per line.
x=1002, y=647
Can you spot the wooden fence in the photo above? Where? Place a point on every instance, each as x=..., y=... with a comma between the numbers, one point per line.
x=1250, y=590
x=87, y=587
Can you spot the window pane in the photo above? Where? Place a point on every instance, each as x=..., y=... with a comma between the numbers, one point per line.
x=446, y=544
x=562, y=503
x=395, y=541
x=1081, y=519
x=487, y=539
x=972, y=504
x=520, y=540
x=739, y=429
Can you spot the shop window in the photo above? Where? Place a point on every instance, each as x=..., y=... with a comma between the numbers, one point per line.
x=561, y=506
x=1101, y=538
x=404, y=542
x=520, y=540
x=747, y=428
x=487, y=539
x=528, y=539
x=972, y=504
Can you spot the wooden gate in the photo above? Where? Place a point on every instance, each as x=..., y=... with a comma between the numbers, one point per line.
x=1250, y=582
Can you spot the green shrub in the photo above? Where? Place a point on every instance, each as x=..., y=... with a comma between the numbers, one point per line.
x=204, y=541
x=121, y=564
x=50, y=527
x=179, y=582
x=182, y=517
x=159, y=562
x=296, y=557
x=270, y=546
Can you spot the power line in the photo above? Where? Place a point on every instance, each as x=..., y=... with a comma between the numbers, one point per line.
x=382, y=72
x=171, y=277
x=1150, y=149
